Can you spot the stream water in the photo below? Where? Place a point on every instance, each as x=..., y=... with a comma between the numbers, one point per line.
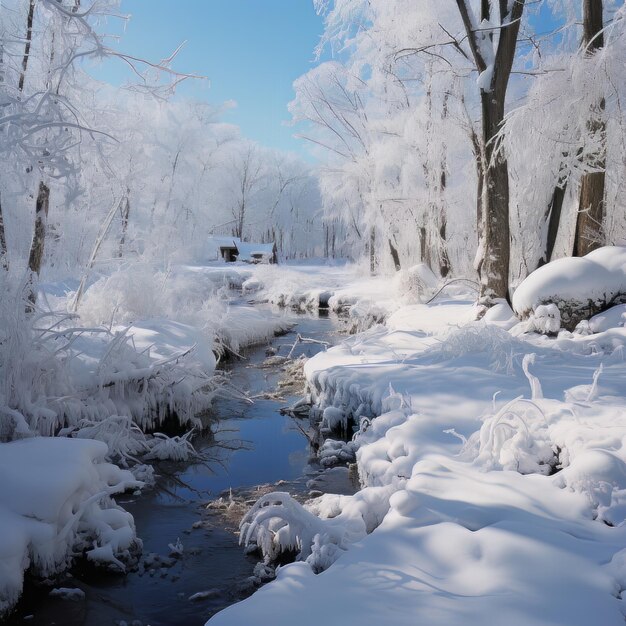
x=251, y=445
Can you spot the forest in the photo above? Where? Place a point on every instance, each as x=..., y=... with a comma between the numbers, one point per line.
x=457, y=213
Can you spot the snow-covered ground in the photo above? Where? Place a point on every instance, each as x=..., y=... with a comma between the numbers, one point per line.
x=493, y=466
x=491, y=456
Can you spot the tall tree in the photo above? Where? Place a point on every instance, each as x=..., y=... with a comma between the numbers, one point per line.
x=493, y=50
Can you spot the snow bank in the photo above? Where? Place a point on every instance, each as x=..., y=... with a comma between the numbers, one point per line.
x=55, y=502
x=342, y=289
x=579, y=286
x=493, y=473
x=149, y=372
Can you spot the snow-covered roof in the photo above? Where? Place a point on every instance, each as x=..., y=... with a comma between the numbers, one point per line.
x=248, y=250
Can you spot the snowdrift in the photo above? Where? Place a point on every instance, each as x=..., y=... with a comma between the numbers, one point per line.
x=55, y=503
x=579, y=286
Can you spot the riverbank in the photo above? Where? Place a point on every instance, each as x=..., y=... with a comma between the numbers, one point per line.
x=249, y=446
x=139, y=356
x=493, y=472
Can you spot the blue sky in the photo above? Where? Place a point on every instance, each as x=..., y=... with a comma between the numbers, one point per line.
x=251, y=51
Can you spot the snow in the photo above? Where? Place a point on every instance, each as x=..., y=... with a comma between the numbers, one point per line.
x=583, y=284
x=492, y=463
x=614, y=317
x=66, y=593
x=491, y=453
x=55, y=501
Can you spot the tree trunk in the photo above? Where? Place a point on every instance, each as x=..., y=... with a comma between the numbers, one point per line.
x=125, y=211
x=35, y=257
x=29, y=37
x=480, y=178
x=590, y=214
x=4, y=256
x=494, y=274
x=494, y=265
x=372, y=251
x=556, y=208
x=326, y=247
x=590, y=218
x=423, y=246
x=444, y=261
x=395, y=256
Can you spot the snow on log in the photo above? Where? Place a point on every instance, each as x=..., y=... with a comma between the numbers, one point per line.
x=579, y=286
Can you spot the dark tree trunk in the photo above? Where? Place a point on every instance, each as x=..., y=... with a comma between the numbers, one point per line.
x=4, y=257
x=326, y=242
x=590, y=216
x=423, y=245
x=494, y=273
x=35, y=257
x=444, y=261
x=480, y=178
x=125, y=211
x=29, y=38
x=395, y=256
x=556, y=209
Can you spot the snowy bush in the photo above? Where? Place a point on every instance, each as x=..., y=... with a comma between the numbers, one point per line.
x=73, y=377
x=317, y=532
x=478, y=338
x=546, y=319
x=516, y=438
x=415, y=284
x=277, y=524
x=142, y=291
x=335, y=452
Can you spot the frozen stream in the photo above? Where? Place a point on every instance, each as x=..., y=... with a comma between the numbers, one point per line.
x=212, y=561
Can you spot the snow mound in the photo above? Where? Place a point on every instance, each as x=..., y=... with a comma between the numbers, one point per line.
x=615, y=317
x=579, y=286
x=500, y=314
x=55, y=501
x=601, y=476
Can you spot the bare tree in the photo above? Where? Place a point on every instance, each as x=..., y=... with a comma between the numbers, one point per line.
x=248, y=178
x=494, y=78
